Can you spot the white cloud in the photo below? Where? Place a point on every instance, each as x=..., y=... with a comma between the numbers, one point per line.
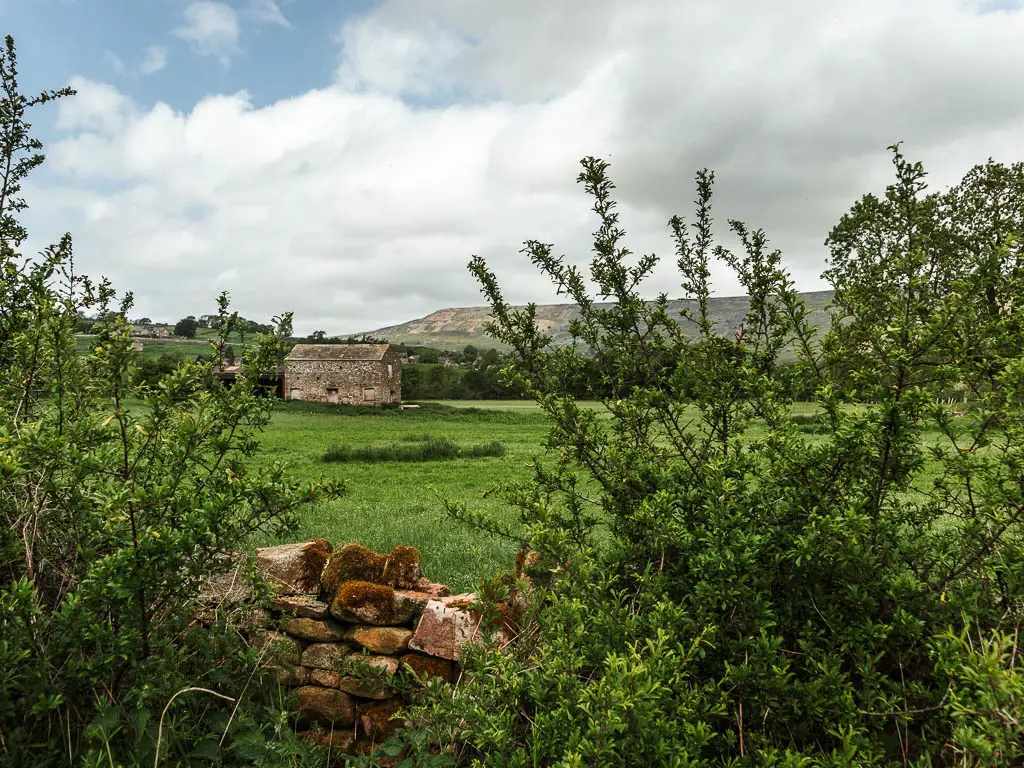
x=211, y=28
x=116, y=63
x=358, y=205
x=155, y=59
x=267, y=12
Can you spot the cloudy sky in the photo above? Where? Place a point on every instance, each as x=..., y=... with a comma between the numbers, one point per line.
x=344, y=158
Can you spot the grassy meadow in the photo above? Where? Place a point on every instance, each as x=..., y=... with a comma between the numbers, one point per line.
x=397, y=502
x=391, y=502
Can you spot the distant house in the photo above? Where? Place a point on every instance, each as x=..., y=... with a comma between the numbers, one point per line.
x=353, y=374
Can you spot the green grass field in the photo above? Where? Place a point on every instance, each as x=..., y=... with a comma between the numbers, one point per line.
x=392, y=503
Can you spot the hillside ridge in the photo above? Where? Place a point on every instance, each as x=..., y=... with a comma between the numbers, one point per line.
x=456, y=327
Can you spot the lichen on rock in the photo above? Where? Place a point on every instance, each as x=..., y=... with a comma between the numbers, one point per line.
x=352, y=562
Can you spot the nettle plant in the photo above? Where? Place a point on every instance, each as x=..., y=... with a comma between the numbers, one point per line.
x=723, y=589
x=116, y=498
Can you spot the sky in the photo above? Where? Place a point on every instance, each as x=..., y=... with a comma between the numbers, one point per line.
x=344, y=160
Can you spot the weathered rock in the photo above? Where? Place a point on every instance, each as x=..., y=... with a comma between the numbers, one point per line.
x=301, y=606
x=314, y=630
x=279, y=647
x=445, y=626
x=294, y=569
x=338, y=740
x=431, y=588
x=402, y=568
x=378, y=719
x=290, y=676
x=376, y=604
x=325, y=655
x=428, y=667
x=324, y=705
x=368, y=685
x=387, y=640
x=352, y=562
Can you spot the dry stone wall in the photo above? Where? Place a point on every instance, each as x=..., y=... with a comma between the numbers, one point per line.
x=343, y=627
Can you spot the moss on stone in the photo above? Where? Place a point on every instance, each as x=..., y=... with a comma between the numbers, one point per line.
x=361, y=595
x=352, y=562
x=314, y=557
x=402, y=567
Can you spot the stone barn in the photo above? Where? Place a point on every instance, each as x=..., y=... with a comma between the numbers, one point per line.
x=352, y=374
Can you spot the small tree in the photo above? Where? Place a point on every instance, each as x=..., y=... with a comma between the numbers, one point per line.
x=116, y=499
x=186, y=327
x=726, y=590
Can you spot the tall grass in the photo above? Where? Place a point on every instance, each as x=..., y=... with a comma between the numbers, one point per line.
x=417, y=447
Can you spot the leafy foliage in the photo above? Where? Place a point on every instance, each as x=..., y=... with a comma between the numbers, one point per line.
x=723, y=588
x=116, y=497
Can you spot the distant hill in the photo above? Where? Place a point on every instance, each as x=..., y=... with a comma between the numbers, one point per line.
x=456, y=327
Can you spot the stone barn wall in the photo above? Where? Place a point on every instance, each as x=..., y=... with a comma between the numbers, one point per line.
x=348, y=374
x=342, y=627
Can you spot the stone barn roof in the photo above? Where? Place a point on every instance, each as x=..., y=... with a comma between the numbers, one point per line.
x=338, y=352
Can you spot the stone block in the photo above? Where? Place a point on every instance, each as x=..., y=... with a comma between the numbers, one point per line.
x=445, y=626
x=325, y=655
x=314, y=630
x=365, y=603
x=365, y=686
x=320, y=705
x=294, y=569
x=279, y=647
x=429, y=667
x=301, y=606
x=290, y=675
x=378, y=719
x=386, y=640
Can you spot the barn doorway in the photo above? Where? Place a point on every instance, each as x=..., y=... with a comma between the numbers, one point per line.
x=332, y=394
x=369, y=394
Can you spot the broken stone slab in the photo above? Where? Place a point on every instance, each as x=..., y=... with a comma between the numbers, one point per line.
x=366, y=687
x=294, y=569
x=429, y=667
x=325, y=655
x=278, y=646
x=445, y=626
x=386, y=640
x=364, y=603
x=314, y=630
x=318, y=704
x=301, y=606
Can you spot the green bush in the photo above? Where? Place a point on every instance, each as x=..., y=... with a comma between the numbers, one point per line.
x=423, y=448
x=116, y=498
x=724, y=590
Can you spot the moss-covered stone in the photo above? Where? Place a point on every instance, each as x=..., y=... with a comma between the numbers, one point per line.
x=365, y=601
x=352, y=562
x=402, y=568
x=361, y=602
x=294, y=569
